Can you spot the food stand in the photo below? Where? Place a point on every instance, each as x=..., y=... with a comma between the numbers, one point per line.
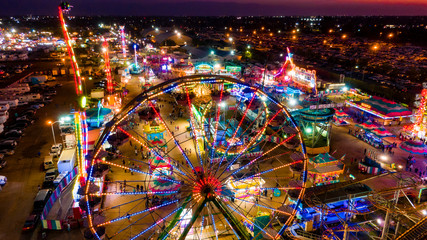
x=325, y=169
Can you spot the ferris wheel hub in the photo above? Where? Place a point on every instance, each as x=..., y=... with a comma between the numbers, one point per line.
x=207, y=187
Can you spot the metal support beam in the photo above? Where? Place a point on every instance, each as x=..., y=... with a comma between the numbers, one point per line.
x=174, y=220
x=193, y=219
x=235, y=224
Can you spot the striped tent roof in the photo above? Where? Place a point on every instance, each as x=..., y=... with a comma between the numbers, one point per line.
x=368, y=125
x=414, y=147
x=381, y=132
x=385, y=107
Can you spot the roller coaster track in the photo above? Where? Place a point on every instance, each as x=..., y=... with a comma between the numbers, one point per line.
x=418, y=231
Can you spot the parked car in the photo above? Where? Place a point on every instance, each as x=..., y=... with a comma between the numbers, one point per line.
x=31, y=222
x=7, y=151
x=7, y=145
x=14, y=138
x=27, y=121
x=18, y=126
x=50, y=175
x=37, y=106
x=8, y=142
x=3, y=164
x=14, y=133
x=40, y=201
x=22, y=117
x=55, y=150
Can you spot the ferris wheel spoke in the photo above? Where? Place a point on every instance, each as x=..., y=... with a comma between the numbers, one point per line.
x=229, y=145
x=172, y=224
x=231, y=227
x=133, y=193
x=254, y=121
x=263, y=206
x=158, y=222
x=157, y=154
x=193, y=128
x=262, y=155
x=173, y=137
x=129, y=226
x=250, y=143
x=139, y=171
x=218, y=112
x=151, y=148
x=227, y=126
x=213, y=223
x=269, y=170
x=137, y=213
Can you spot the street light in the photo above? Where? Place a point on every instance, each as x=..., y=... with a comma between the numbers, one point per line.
x=53, y=132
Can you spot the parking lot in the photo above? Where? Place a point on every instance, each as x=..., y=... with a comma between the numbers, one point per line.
x=24, y=168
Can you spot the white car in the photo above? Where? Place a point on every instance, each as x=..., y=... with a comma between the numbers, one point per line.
x=55, y=150
x=3, y=180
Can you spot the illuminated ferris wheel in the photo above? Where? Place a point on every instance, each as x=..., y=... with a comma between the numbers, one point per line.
x=198, y=157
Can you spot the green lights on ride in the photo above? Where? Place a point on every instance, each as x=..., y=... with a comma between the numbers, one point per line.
x=83, y=102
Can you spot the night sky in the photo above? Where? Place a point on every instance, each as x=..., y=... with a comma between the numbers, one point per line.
x=218, y=7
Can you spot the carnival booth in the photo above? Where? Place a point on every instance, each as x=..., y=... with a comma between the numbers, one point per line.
x=246, y=188
x=325, y=169
x=384, y=111
x=370, y=166
x=372, y=134
x=155, y=134
x=161, y=169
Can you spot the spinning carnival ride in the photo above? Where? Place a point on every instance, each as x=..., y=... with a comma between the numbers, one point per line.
x=216, y=174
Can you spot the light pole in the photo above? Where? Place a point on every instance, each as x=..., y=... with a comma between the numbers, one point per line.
x=53, y=132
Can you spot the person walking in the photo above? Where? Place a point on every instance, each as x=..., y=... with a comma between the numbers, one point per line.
x=271, y=196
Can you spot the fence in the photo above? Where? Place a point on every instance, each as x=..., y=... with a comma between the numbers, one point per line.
x=55, y=224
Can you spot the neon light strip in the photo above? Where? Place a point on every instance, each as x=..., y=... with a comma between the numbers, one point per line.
x=74, y=65
x=173, y=137
x=132, y=193
x=232, y=228
x=137, y=213
x=263, y=206
x=216, y=123
x=167, y=234
x=150, y=149
x=193, y=127
x=243, y=216
x=122, y=35
x=373, y=112
x=155, y=224
x=107, y=67
x=255, y=159
x=269, y=170
x=235, y=132
x=214, y=226
x=139, y=171
x=201, y=228
x=280, y=188
x=252, y=141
